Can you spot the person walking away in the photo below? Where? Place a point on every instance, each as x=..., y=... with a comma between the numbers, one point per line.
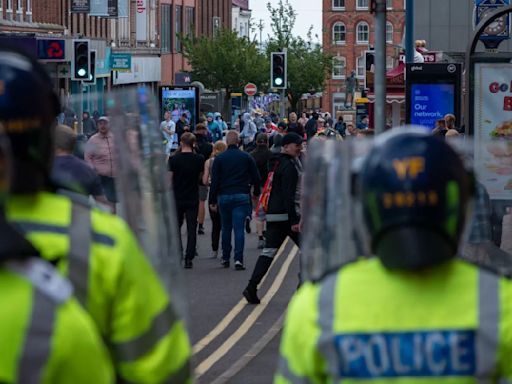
x=186, y=168
x=99, y=153
x=261, y=156
x=218, y=148
x=88, y=125
x=249, y=132
x=294, y=125
x=181, y=125
x=417, y=293
x=312, y=125
x=168, y=129
x=203, y=147
x=72, y=173
x=222, y=124
x=214, y=128
x=283, y=213
x=112, y=277
x=259, y=122
x=233, y=174
x=340, y=126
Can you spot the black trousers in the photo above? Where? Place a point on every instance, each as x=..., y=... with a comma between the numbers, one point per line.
x=276, y=234
x=187, y=211
x=216, y=227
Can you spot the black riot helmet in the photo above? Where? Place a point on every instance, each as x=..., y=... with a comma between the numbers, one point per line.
x=415, y=191
x=28, y=111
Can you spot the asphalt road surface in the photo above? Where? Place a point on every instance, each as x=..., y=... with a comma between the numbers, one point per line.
x=235, y=342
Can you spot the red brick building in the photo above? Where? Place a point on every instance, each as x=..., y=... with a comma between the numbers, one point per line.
x=348, y=31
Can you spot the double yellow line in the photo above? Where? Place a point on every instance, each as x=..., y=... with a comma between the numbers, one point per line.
x=207, y=363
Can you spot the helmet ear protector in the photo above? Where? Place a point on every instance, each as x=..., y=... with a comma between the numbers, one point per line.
x=415, y=192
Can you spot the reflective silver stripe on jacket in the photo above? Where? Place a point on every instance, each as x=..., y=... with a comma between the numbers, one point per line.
x=284, y=370
x=326, y=304
x=79, y=250
x=487, y=341
x=273, y=217
x=38, y=339
x=141, y=345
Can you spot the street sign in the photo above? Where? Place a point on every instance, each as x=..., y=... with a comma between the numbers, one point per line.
x=121, y=62
x=250, y=89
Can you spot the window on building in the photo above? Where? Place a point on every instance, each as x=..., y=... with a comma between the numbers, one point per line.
x=178, y=24
x=389, y=4
x=165, y=28
x=389, y=33
x=189, y=21
x=360, y=69
x=28, y=11
x=362, y=4
x=242, y=30
x=216, y=24
x=19, y=10
x=338, y=67
x=390, y=62
x=363, y=32
x=339, y=33
x=9, y=10
x=338, y=4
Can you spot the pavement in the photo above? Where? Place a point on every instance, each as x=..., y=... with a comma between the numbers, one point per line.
x=233, y=341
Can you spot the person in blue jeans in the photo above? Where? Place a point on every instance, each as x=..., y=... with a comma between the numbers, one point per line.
x=233, y=174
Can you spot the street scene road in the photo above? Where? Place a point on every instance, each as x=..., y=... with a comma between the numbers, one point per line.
x=235, y=342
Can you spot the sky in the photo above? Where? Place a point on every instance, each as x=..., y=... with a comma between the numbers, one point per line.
x=309, y=12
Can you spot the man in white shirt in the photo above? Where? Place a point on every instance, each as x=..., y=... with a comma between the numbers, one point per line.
x=168, y=128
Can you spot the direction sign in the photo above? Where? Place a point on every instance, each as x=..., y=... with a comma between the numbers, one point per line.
x=250, y=89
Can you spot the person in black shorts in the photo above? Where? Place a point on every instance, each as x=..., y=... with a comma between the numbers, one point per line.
x=186, y=168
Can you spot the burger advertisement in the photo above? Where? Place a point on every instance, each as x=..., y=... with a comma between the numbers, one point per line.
x=493, y=128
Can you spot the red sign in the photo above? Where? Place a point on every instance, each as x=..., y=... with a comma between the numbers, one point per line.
x=250, y=89
x=51, y=49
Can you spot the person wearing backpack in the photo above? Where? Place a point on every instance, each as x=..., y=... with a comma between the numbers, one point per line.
x=283, y=209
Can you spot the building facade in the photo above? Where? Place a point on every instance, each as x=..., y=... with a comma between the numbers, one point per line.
x=348, y=32
x=212, y=15
x=241, y=18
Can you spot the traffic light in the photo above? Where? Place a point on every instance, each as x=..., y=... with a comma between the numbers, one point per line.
x=92, y=73
x=278, y=70
x=81, y=64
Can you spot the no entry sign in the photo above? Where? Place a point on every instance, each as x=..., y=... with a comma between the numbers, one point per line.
x=250, y=89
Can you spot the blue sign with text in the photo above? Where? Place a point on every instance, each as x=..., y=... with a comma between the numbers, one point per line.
x=430, y=102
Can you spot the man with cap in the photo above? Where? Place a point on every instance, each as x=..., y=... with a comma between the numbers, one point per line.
x=283, y=213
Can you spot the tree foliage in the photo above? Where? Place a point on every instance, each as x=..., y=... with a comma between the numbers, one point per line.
x=226, y=61
x=308, y=65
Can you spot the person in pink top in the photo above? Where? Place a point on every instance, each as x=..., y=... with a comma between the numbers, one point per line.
x=99, y=153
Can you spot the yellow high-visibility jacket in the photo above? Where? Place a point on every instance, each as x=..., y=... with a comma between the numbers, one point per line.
x=46, y=336
x=114, y=282
x=366, y=324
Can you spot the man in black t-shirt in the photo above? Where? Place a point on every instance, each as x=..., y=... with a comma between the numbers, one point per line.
x=186, y=168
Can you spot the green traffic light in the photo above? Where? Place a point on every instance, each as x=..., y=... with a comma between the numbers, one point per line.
x=278, y=81
x=81, y=72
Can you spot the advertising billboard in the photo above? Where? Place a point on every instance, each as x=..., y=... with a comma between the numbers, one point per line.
x=180, y=101
x=432, y=91
x=431, y=102
x=493, y=128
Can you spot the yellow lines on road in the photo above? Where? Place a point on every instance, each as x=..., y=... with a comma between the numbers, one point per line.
x=224, y=323
x=206, y=364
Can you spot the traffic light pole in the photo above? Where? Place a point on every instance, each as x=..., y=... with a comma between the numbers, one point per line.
x=282, y=105
x=81, y=108
x=380, y=66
